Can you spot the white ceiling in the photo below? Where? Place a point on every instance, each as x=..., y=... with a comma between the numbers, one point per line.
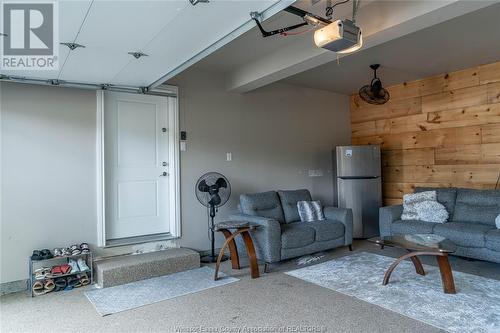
x=171, y=32
x=463, y=42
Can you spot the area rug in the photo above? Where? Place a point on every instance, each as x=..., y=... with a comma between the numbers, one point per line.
x=475, y=307
x=136, y=294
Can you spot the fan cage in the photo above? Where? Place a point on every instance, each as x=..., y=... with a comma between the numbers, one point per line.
x=210, y=178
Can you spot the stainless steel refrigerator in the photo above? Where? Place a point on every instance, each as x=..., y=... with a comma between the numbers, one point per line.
x=358, y=186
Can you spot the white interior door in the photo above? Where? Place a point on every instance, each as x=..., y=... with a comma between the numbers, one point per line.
x=136, y=163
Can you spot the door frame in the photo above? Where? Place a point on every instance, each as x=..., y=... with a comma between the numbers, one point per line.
x=174, y=180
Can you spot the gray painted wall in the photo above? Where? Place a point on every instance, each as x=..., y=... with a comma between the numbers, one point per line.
x=276, y=134
x=48, y=173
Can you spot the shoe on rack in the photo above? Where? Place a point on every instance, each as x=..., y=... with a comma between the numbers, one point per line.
x=75, y=250
x=41, y=273
x=83, y=265
x=60, y=284
x=66, y=252
x=74, y=266
x=49, y=285
x=46, y=254
x=85, y=248
x=84, y=279
x=57, y=252
x=73, y=282
x=38, y=288
x=36, y=255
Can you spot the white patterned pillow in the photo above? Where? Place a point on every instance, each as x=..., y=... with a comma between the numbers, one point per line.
x=431, y=211
x=497, y=221
x=409, y=201
x=310, y=211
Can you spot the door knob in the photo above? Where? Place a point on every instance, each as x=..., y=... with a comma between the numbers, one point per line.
x=164, y=174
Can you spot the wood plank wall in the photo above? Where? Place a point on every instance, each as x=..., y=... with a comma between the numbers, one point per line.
x=439, y=131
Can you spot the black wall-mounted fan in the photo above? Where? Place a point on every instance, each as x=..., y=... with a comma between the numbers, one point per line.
x=212, y=190
x=374, y=93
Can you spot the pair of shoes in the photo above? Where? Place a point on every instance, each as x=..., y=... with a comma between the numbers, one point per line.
x=41, y=254
x=60, y=270
x=42, y=273
x=43, y=287
x=84, y=279
x=79, y=249
x=78, y=266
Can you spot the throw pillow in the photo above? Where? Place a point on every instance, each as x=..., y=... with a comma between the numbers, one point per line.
x=431, y=211
x=310, y=211
x=409, y=201
x=497, y=221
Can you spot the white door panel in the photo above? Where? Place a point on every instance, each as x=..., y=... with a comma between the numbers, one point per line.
x=136, y=165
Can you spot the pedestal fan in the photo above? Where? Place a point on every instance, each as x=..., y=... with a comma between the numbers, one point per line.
x=212, y=190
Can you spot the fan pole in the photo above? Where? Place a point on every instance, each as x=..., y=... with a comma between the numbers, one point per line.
x=212, y=257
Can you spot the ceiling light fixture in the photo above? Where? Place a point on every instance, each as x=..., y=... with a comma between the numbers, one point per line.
x=138, y=54
x=73, y=46
x=195, y=2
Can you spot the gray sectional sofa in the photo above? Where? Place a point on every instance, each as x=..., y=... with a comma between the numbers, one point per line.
x=281, y=235
x=471, y=224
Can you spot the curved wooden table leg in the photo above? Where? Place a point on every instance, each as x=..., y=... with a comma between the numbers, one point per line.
x=233, y=250
x=412, y=255
x=252, y=258
x=446, y=274
x=223, y=248
x=418, y=265
x=221, y=254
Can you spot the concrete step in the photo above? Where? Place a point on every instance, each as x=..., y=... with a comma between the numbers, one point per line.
x=125, y=269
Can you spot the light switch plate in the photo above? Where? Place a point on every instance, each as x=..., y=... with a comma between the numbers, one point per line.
x=229, y=157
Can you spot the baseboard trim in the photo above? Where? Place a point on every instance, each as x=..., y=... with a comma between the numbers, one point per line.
x=13, y=287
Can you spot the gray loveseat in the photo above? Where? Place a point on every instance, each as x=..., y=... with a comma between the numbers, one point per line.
x=471, y=225
x=281, y=235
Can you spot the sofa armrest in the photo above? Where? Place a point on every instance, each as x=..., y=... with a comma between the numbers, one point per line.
x=343, y=215
x=387, y=215
x=267, y=237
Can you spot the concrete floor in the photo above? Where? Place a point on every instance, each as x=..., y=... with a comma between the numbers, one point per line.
x=273, y=301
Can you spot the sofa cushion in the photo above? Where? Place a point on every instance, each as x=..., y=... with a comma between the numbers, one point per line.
x=445, y=196
x=295, y=235
x=463, y=233
x=493, y=240
x=411, y=227
x=266, y=204
x=327, y=229
x=289, y=201
x=477, y=206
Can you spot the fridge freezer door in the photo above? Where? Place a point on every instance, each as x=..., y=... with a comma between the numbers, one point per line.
x=358, y=161
x=364, y=197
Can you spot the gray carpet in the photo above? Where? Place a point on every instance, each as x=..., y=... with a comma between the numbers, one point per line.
x=136, y=294
x=475, y=307
x=273, y=300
